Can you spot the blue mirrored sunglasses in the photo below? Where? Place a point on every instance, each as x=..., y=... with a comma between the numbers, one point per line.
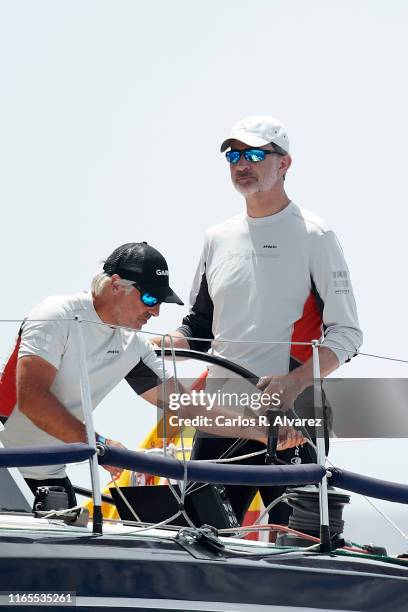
x=251, y=155
x=147, y=298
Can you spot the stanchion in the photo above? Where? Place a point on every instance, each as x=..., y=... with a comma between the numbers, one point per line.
x=89, y=428
x=325, y=544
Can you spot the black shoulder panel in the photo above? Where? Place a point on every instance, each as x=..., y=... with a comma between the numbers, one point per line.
x=141, y=378
x=198, y=323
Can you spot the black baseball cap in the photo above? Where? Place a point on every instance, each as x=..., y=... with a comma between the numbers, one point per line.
x=140, y=262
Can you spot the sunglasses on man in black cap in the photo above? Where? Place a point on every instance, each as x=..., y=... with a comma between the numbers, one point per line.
x=146, y=268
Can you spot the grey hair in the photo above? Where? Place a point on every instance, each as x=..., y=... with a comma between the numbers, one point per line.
x=100, y=281
x=281, y=152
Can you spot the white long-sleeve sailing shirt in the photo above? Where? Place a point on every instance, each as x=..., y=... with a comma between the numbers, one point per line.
x=280, y=278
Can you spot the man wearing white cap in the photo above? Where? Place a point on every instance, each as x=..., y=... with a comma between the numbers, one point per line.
x=270, y=276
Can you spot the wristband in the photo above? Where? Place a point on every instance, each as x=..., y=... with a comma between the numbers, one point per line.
x=100, y=439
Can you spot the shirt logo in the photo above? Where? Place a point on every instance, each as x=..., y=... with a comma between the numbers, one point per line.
x=270, y=246
x=112, y=352
x=340, y=281
x=162, y=272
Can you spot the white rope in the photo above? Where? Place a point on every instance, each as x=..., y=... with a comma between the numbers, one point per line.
x=381, y=512
x=129, y=507
x=183, y=483
x=220, y=340
x=164, y=393
x=383, y=357
x=41, y=320
x=386, y=517
x=53, y=514
x=156, y=525
x=232, y=459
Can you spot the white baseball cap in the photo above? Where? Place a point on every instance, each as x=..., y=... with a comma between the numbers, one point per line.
x=258, y=131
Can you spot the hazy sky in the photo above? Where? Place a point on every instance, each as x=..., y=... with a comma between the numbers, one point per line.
x=112, y=114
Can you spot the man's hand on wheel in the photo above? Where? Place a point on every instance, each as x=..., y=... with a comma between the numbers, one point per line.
x=289, y=438
x=284, y=387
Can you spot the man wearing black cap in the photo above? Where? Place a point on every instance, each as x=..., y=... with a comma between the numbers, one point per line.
x=133, y=284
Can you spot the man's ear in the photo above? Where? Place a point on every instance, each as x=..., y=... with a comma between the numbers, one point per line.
x=285, y=163
x=115, y=286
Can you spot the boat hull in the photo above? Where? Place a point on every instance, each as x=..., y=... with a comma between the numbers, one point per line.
x=161, y=574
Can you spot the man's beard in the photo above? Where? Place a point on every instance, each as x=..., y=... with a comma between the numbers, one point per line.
x=249, y=189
